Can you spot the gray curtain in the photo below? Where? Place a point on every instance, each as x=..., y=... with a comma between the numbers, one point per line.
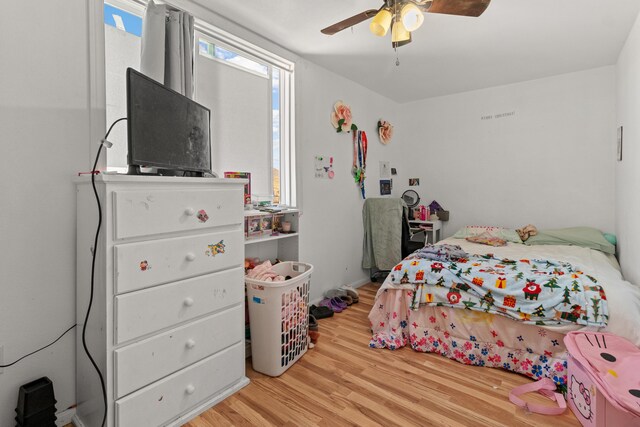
x=167, y=47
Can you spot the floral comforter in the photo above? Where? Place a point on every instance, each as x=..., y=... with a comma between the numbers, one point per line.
x=469, y=337
x=535, y=291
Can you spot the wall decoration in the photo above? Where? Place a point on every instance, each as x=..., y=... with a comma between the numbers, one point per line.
x=385, y=131
x=385, y=187
x=414, y=181
x=620, y=131
x=324, y=167
x=385, y=170
x=341, y=118
x=394, y=171
x=360, y=145
x=498, y=116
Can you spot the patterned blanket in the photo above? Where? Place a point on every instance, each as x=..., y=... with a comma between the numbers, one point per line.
x=541, y=292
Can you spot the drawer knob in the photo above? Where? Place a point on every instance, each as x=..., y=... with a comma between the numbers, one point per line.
x=189, y=211
x=191, y=256
x=190, y=389
x=190, y=344
x=188, y=301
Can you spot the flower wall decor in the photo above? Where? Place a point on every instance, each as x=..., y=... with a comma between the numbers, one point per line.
x=341, y=118
x=385, y=131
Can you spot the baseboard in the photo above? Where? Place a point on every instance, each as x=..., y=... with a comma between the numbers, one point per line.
x=76, y=421
x=65, y=417
x=361, y=282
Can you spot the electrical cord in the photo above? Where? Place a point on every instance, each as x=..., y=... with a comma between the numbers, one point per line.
x=40, y=349
x=93, y=269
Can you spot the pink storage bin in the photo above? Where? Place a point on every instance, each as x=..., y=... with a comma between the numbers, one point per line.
x=590, y=407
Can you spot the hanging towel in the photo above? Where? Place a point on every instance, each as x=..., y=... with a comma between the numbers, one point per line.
x=382, y=219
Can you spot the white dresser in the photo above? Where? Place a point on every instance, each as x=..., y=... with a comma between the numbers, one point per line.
x=166, y=327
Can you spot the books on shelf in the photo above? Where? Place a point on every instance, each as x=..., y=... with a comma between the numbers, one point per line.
x=247, y=186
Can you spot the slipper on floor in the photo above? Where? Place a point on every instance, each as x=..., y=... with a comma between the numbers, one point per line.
x=350, y=292
x=346, y=299
x=332, y=293
x=339, y=303
x=314, y=335
x=347, y=295
x=332, y=304
x=320, y=312
x=313, y=323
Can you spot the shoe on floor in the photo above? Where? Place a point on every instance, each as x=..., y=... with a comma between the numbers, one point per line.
x=350, y=292
x=350, y=297
x=338, y=302
x=314, y=335
x=321, y=312
x=313, y=323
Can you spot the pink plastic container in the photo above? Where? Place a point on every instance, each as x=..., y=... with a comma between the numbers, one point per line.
x=590, y=407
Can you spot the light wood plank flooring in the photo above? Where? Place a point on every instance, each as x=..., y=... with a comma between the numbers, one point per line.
x=344, y=382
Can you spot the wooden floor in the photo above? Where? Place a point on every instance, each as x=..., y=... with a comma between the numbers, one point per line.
x=344, y=382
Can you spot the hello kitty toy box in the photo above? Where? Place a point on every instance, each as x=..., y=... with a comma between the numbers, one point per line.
x=603, y=380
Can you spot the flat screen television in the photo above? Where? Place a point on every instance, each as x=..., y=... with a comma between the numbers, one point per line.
x=166, y=130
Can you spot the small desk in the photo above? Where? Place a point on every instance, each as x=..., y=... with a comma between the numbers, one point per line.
x=429, y=228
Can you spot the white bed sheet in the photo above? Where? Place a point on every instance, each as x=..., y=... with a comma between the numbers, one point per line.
x=623, y=298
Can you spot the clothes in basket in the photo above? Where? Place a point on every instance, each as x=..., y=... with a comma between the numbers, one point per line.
x=603, y=380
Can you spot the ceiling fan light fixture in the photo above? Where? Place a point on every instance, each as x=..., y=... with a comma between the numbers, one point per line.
x=411, y=17
x=381, y=23
x=399, y=34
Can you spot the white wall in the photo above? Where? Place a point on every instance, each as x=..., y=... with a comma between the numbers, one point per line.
x=628, y=170
x=44, y=124
x=331, y=223
x=550, y=164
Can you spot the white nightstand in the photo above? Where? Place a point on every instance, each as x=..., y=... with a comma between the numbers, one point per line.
x=429, y=228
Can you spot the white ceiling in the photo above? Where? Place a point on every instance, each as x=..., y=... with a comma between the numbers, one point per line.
x=513, y=41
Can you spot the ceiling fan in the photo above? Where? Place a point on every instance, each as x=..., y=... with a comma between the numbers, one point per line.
x=406, y=16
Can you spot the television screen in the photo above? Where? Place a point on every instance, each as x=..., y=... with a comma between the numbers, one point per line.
x=166, y=130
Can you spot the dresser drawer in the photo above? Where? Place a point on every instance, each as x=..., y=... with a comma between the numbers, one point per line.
x=164, y=400
x=150, y=310
x=149, y=360
x=148, y=212
x=145, y=264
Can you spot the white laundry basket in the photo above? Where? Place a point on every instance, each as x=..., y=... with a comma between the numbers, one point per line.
x=279, y=318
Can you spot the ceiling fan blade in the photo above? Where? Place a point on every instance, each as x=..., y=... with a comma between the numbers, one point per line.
x=473, y=8
x=349, y=22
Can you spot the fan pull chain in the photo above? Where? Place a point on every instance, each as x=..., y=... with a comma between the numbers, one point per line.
x=397, y=58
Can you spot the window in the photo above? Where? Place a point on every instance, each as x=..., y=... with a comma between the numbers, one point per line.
x=249, y=91
x=122, y=38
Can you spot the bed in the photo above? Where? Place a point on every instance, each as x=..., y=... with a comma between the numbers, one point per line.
x=494, y=340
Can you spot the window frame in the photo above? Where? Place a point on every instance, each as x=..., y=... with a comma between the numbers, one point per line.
x=288, y=187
